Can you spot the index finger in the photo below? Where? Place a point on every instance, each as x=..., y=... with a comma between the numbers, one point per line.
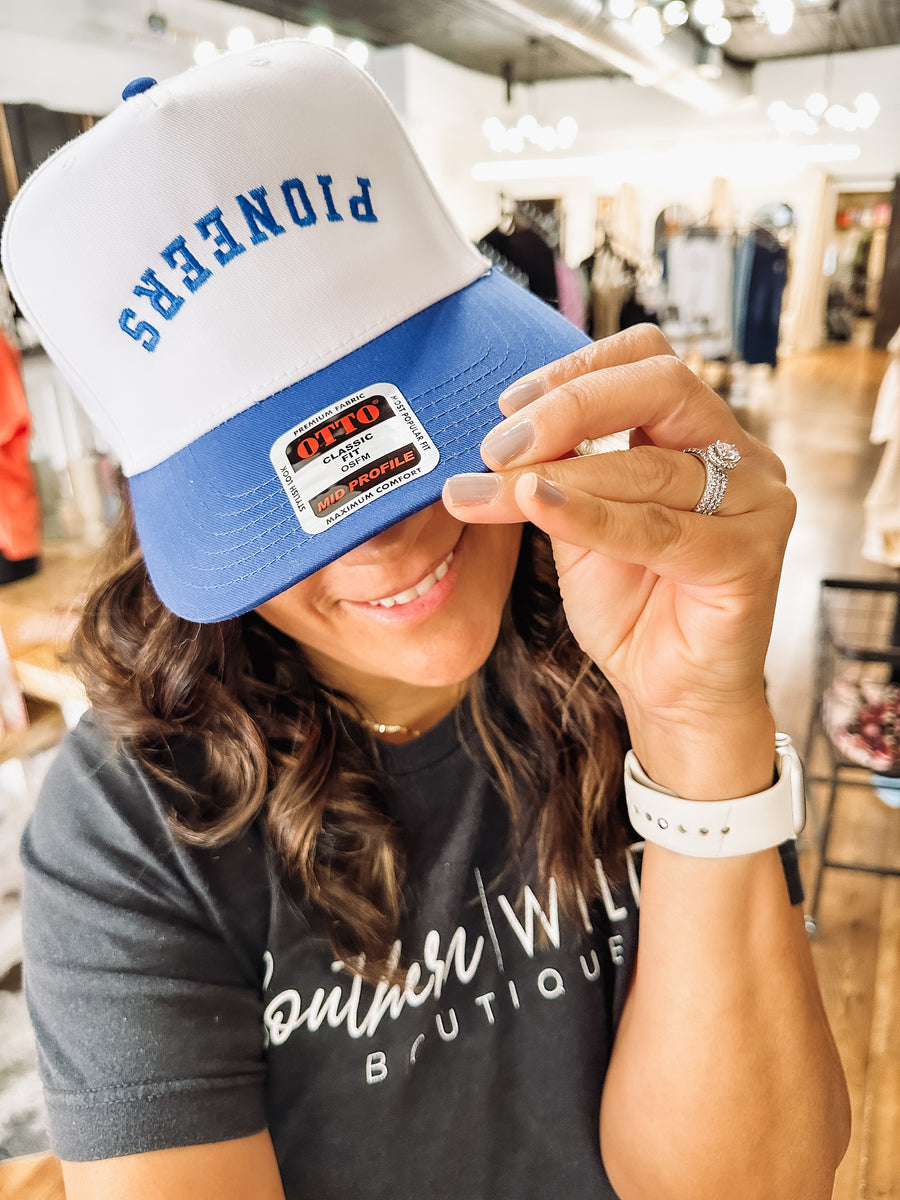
x=658, y=396
x=628, y=346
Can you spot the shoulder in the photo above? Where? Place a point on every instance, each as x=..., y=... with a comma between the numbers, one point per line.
x=104, y=826
x=95, y=791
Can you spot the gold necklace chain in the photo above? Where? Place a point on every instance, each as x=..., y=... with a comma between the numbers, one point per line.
x=378, y=727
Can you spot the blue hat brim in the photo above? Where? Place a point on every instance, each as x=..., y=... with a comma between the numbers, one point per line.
x=218, y=533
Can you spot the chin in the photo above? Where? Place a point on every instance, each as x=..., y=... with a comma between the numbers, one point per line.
x=446, y=661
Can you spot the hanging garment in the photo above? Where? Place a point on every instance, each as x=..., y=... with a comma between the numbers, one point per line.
x=766, y=275
x=526, y=249
x=881, y=540
x=611, y=280
x=20, y=512
x=699, y=267
x=571, y=294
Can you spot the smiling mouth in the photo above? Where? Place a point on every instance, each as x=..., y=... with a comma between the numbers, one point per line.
x=419, y=589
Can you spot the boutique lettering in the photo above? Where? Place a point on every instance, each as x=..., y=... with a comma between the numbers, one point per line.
x=454, y=983
x=256, y=217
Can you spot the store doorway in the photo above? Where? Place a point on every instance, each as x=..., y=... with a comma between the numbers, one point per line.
x=857, y=259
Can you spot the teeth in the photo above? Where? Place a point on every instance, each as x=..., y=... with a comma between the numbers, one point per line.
x=423, y=586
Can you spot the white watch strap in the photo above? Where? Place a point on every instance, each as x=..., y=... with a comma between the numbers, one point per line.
x=719, y=828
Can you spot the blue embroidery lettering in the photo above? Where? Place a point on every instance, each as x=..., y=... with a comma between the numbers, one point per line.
x=195, y=274
x=261, y=222
x=230, y=247
x=259, y=215
x=361, y=205
x=137, y=331
x=325, y=182
x=165, y=302
x=295, y=185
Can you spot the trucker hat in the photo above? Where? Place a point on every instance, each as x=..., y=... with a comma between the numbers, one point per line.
x=253, y=287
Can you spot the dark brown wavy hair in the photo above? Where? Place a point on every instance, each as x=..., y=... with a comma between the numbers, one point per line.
x=274, y=743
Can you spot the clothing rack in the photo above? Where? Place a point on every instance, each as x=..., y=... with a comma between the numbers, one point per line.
x=513, y=212
x=502, y=263
x=527, y=239
x=606, y=247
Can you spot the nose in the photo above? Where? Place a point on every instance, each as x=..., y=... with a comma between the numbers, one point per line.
x=394, y=542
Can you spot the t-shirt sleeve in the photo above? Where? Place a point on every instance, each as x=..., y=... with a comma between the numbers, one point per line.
x=143, y=964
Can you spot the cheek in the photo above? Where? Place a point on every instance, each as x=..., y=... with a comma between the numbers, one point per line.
x=497, y=556
x=296, y=612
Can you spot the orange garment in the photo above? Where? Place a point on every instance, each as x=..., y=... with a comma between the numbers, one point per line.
x=20, y=510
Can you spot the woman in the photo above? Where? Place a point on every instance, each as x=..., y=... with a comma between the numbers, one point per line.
x=333, y=893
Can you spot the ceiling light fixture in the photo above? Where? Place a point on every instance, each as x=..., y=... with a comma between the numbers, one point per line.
x=205, y=52
x=358, y=53
x=321, y=35
x=528, y=129
x=675, y=13
x=705, y=12
x=820, y=107
x=648, y=26
x=718, y=33
x=241, y=38
x=651, y=21
x=513, y=138
x=777, y=14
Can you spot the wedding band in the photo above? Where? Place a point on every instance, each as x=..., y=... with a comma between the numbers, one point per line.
x=718, y=458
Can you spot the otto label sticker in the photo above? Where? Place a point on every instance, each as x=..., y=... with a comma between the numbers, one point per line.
x=346, y=456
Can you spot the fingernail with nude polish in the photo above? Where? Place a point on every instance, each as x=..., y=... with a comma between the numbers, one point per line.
x=503, y=445
x=517, y=395
x=548, y=493
x=472, y=489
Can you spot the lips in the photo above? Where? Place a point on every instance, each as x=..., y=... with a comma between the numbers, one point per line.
x=425, y=584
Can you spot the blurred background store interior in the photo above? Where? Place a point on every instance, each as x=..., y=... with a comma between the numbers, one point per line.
x=728, y=169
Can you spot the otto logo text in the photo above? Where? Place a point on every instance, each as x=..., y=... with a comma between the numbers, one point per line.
x=316, y=441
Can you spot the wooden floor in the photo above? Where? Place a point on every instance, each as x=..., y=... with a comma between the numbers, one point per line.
x=816, y=411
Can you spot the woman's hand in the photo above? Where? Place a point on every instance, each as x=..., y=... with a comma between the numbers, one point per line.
x=723, y=1014
x=674, y=606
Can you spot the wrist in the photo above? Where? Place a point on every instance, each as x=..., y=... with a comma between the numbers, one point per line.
x=716, y=758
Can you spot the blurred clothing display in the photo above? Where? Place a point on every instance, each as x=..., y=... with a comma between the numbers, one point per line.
x=571, y=294
x=699, y=277
x=20, y=510
x=760, y=277
x=528, y=250
x=613, y=285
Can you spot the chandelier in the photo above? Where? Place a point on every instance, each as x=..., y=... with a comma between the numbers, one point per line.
x=821, y=107
x=528, y=130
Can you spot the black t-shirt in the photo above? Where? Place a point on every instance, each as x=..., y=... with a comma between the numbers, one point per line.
x=179, y=998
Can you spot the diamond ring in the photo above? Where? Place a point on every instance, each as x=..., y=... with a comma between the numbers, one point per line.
x=718, y=458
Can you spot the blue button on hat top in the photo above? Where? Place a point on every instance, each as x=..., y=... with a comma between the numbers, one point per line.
x=143, y=84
